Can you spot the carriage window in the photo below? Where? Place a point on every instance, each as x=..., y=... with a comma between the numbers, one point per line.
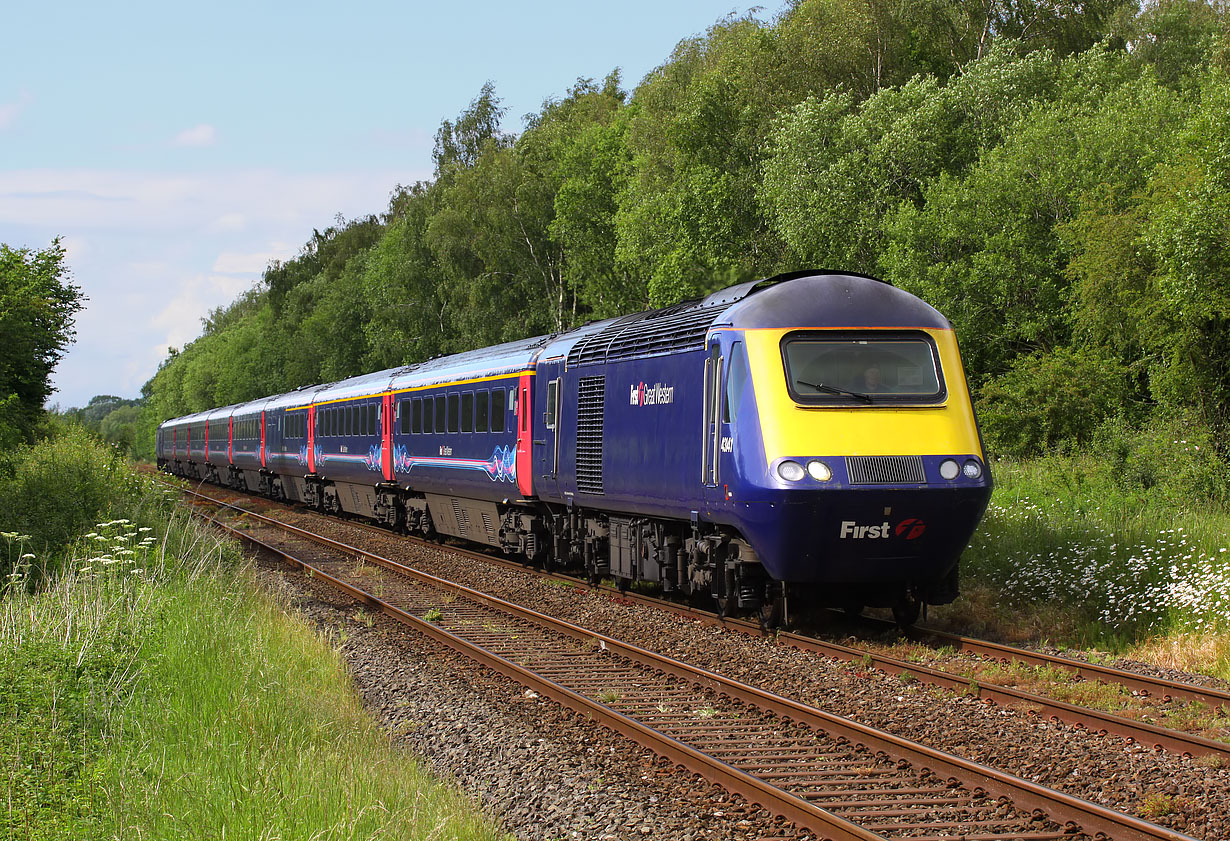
x=497, y=410
x=454, y=411
x=440, y=413
x=836, y=370
x=481, y=405
x=736, y=382
x=467, y=412
x=416, y=407
x=552, y=400
x=371, y=419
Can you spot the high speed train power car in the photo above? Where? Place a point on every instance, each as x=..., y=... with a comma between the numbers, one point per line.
x=809, y=434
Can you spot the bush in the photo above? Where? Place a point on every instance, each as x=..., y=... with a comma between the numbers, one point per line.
x=1051, y=400
x=52, y=491
x=1169, y=459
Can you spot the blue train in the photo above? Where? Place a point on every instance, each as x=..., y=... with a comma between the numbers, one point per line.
x=809, y=434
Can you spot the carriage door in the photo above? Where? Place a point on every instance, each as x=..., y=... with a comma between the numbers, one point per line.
x=712, y=438
x=311, y=439
x=546, y=430
x=388, y=415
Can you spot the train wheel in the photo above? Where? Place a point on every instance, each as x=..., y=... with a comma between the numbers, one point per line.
x=905, y=612
x=772, y=611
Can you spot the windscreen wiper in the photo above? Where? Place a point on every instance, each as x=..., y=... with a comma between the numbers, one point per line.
x=866, y=398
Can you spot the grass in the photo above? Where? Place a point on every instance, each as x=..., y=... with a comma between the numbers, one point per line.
x=150, y=688
x=1069, y=555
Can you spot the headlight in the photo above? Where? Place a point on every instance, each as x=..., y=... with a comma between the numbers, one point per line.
x=791, y=471
x=972, y=469
x=949, y=469
x=819, y=471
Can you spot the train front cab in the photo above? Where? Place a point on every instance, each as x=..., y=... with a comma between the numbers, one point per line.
x=849, y=458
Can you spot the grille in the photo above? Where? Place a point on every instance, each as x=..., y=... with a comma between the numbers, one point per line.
x=885, y=470
x=463, y=521
x=665, y=331
x=591, y=407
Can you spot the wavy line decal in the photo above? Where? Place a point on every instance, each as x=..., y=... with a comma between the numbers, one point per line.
x=500, y=467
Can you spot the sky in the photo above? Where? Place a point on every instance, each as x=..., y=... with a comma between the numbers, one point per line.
x=177, y=149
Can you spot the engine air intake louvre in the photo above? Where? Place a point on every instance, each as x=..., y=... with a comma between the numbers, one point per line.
x=885, y=470
x=591, y=407
x=657, y=333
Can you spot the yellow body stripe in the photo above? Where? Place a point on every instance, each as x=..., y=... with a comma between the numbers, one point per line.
x=789, y=429
x=409, y=390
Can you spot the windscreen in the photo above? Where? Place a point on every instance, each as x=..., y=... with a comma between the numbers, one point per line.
x=823, y=370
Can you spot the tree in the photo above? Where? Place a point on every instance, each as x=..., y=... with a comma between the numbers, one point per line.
x=38, y=304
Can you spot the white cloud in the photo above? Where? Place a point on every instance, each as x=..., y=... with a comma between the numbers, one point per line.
x=230, y=222
x=154, y=253
x=202, y=135
x=75, y=249
x=230, y=262
x=10, y=111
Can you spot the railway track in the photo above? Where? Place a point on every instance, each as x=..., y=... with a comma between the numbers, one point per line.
x=826, y=774
x=1143, y=732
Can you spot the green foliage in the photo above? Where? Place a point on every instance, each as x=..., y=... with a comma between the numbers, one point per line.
x=55, y=489
x=837, y=167
x=38, y=304
x=1167, y=461
x=1049, y=401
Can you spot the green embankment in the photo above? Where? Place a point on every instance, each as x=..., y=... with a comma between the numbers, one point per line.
x=151, y=689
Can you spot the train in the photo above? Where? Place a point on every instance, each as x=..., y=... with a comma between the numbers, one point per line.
x=805, y=440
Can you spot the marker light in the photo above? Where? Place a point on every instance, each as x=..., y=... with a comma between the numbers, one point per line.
x=791, y=471
x=819, y=471
x=972, y=469
x=949, y=469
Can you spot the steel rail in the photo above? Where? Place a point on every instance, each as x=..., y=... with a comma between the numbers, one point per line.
x=1075, y=812
x=1097, y=721
x=800, y=812
x=1145, y=684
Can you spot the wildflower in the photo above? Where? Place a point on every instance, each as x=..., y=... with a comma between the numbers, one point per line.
x=28, y=556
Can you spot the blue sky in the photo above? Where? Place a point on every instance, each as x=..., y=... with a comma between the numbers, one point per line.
x=176, y=149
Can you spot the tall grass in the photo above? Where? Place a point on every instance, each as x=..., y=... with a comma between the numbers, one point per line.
x=1104, y=562
x=150, y=689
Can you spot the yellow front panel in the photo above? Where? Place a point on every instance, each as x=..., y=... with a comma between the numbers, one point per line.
x=789, y=429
